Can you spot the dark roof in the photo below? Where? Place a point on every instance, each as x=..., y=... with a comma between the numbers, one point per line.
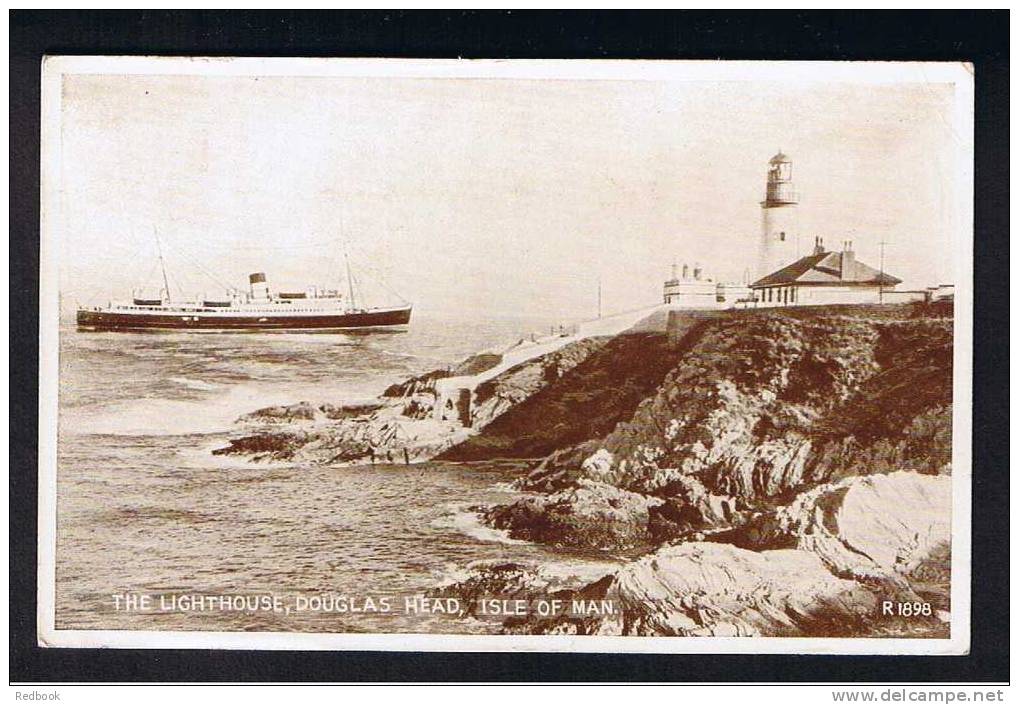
x=823, y=269
x=778, y=159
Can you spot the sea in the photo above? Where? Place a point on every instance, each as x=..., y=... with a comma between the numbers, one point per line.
x=154, y=532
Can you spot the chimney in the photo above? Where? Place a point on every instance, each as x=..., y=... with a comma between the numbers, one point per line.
x=848, y=272
x=259, y=287
x=818, y=246
x=697, y=272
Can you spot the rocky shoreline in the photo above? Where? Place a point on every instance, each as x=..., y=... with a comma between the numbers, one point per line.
x=778, y=473
x=411, y=421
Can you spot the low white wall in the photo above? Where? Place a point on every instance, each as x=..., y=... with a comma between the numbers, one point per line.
x=812, y=296
x=903, y=297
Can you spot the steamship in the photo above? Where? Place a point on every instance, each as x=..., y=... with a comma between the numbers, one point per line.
x=257, y=309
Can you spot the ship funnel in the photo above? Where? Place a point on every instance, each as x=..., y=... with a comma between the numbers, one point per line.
x=259, y=287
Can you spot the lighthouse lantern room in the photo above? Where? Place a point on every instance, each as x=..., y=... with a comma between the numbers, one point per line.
x=778, y=244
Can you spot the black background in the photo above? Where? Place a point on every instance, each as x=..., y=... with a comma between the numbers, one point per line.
x=978, y=37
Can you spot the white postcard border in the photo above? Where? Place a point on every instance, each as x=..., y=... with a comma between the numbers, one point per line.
x=795, y=72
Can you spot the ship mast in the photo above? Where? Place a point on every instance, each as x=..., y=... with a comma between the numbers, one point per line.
x=162, y=264
x=350, y=279
x=346, y=262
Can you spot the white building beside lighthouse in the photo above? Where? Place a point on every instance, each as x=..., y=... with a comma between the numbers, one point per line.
x=785, y=276
x=779, y=240
x=696, y=290
x=825, y=277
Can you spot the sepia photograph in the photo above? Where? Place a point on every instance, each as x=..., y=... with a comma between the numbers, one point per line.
x=464, y=355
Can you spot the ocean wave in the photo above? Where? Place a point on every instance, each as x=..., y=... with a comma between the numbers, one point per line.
x=194, y=384
x=147, y=417
x=470, y=524
x=171, y=415
x=169, y=411
x=431, y=359
x=404, y=355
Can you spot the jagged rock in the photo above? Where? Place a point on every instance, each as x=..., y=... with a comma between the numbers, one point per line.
x=875, y=526
x=530, y=584
x=709, y=589
x=503, y=392
x=494, y=580
x=590, y=514
x=276, y=446
x=419, y=408
x=476, y=364
x=689, y=509
x=563, y=468
x=424, y=383
x=383, y=436
x=891, y=530
x=335, y=412
x=717, y=589
x=598, y=465
x=705, y=589
x=302, y=411
x=305, y=411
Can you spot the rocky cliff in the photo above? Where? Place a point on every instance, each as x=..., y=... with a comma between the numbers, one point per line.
x=757, y=407
x=788, y=476
x=573, y=395
x=778, y=472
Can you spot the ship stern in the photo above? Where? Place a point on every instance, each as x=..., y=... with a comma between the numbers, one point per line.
x=86, y=319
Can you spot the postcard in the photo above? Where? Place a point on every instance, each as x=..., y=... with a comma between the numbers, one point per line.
x=572, y=356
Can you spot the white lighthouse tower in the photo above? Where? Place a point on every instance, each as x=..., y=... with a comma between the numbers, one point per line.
x=779, y=226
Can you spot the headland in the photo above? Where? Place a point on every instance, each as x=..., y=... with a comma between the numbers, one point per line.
x=781, y=472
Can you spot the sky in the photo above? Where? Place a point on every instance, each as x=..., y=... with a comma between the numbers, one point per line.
x=501, y=197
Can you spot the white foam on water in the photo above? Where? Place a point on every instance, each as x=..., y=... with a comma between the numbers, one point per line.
x=161, y=416
x=469, y=523
x=215, y=412
x=570, y=572
x=152, y=417
x=194, y=384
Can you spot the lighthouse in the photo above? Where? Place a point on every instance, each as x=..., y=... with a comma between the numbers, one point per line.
x=779, y=231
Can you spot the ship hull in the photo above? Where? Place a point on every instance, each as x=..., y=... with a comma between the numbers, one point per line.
x=117, y=321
